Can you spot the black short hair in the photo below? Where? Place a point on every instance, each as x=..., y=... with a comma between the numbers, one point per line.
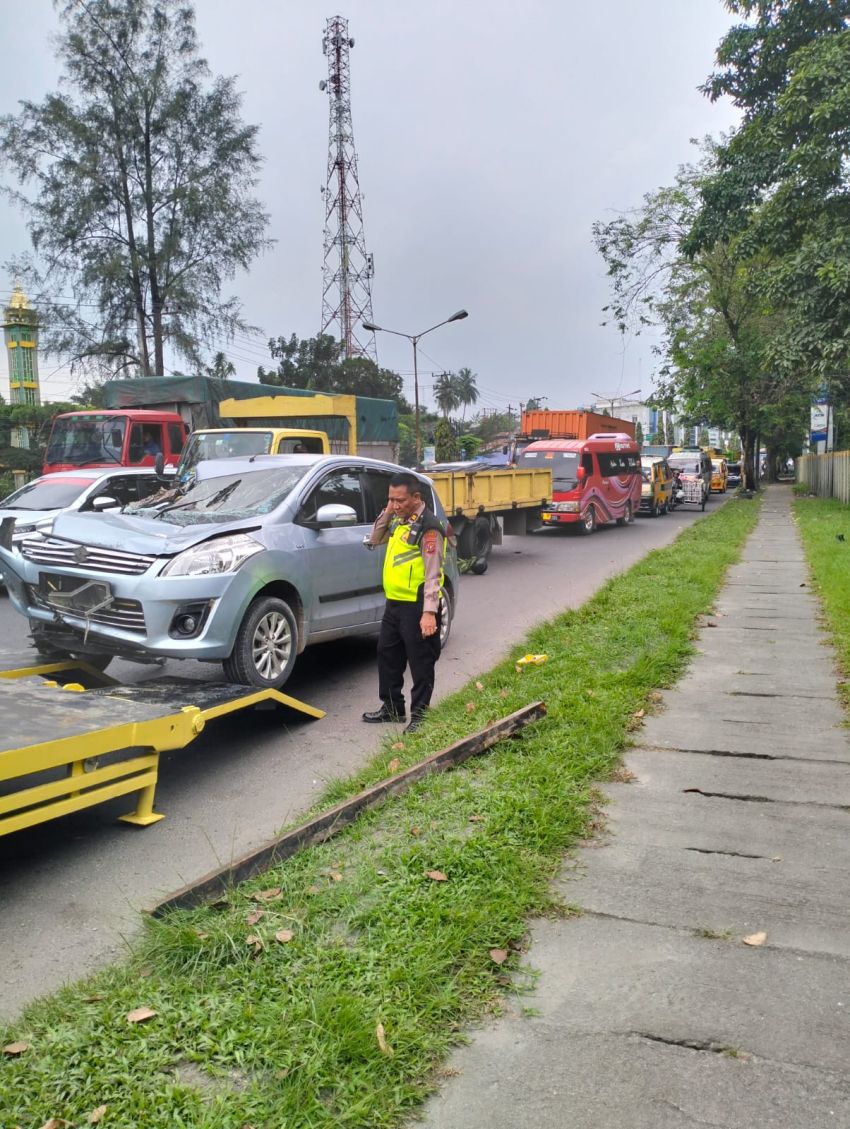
x=410, y=481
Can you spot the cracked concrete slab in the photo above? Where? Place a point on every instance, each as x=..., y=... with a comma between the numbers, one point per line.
x=649, y=1011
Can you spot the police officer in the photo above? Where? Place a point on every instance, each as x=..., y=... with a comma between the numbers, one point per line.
x=413, y=578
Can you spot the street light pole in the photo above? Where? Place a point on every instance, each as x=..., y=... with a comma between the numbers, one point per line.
x=613, y=399
x=414, y=338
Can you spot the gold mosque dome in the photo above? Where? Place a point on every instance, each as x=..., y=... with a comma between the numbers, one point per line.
x=19, y=300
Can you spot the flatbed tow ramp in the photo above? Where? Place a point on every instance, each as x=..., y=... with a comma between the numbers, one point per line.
x=67, y=745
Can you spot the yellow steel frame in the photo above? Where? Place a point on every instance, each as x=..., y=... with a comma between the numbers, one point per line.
x=86, y=783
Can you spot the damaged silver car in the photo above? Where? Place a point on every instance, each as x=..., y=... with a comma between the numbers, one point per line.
x=256, y=559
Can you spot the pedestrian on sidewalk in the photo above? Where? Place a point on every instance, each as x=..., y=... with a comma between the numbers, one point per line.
x=413, y=580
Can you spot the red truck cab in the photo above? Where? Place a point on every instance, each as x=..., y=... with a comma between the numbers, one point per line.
x=594, y=481
x=121, y=437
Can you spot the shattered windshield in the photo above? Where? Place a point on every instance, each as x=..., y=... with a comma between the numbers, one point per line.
x=229, y=497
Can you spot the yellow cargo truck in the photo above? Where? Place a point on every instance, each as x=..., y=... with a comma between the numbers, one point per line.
x=482, y=505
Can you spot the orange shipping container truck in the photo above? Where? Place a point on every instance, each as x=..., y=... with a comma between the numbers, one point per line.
x=547, y=424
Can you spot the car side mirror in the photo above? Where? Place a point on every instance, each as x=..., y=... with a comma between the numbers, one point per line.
x=334, y=516
x=159, y=464
x=104, y=502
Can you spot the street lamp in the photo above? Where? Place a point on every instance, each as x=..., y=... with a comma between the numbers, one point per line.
x=613, y=399
x=415, y=338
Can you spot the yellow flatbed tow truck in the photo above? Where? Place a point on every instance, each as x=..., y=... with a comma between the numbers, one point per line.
x=72, y=737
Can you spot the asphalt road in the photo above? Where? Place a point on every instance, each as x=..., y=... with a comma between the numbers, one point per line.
x=70, y=891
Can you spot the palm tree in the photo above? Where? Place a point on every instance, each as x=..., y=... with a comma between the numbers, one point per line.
x=446, y=393
x=466, y=388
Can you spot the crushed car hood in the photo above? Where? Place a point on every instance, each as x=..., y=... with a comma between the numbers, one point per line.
x=146, y=536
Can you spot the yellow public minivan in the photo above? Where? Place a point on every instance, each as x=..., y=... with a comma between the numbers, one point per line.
x=719, y=476
x=657, y=486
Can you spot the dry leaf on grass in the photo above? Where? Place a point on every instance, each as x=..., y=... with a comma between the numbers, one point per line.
x=312, y=890
x=394, y=765
x=284, y=936
x=476, y=819
x=335, y=876
x=254, y=916
x=398, y=745
x=416, y=831
x=498, y=956
x=145, y=972
x=15, y=1049
x=479, y=685
x=503, y=693
x=254, y=941
x=266, y=895
x=436, y=875
x=96, y=1114
x=639, y=713
x=470, y=706
x=58, y=1123
x=381, y=1036
x=755, y=939
x=140, y=1015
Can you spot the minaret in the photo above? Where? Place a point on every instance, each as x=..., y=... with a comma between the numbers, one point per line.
x=20, y=331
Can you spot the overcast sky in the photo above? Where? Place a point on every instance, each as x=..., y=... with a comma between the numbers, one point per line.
x=489, y=137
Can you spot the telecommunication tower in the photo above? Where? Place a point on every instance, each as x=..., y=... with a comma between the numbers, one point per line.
x=348, y=268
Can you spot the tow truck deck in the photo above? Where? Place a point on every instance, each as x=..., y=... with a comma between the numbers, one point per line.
x=71, y=737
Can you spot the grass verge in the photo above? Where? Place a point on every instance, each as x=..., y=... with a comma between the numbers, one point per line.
x=825, y=528
x=327, y=992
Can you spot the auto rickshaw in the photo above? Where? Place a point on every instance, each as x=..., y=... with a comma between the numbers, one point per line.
x=657, y=486
x=719, y=476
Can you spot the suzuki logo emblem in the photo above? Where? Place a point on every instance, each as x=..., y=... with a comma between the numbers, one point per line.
x=80, y=554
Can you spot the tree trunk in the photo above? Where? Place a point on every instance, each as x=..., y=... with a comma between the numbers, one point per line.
x=748, y=441
x=153, y=275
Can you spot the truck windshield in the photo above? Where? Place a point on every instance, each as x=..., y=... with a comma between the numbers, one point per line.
x=46, y=495
x=83, y=439
x=229, y=497
x=686, y=465
x=223, y=445
x=563, y=464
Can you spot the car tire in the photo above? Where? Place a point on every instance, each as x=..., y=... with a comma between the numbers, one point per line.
x=627, y=518
x=587, y=525
x=447, y=609
x=266, y=645
x=50, y=653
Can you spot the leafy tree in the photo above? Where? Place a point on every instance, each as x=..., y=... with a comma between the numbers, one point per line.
x=317, y=363
x=136, y=179
x=494, y=425
x=222, y=368
x=470, y=444
x=639, y=434
x=446, y=445
x=781, y=182
x=309, y=363
x=718, y=328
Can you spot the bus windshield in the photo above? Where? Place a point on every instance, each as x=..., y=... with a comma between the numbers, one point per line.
x=83, y=439
x=563, y=464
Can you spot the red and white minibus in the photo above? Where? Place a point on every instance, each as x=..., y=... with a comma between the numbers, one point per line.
x=594, y=481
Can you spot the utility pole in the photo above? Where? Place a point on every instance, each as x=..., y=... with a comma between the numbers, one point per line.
x=348, y=268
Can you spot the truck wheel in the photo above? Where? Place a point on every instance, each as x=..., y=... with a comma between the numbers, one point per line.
x=475, y=540
x=588, y=522
x=55, y=654
x=266, y=645
x=626, y=519
x=447, y=610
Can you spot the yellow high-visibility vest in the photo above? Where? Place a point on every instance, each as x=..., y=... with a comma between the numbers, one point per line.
x=404, y=567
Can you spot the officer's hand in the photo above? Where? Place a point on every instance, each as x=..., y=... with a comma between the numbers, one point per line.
x=428, y=624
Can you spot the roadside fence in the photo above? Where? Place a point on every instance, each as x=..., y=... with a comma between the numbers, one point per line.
x=827, y=476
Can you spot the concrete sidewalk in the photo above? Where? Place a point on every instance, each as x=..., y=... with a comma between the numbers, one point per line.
x=650, y=1011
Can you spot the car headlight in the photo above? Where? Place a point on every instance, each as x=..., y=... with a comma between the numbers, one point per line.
x=565, y=507
x=226, y=554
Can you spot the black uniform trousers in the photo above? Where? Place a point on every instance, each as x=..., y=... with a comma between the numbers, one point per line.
x=400, y=644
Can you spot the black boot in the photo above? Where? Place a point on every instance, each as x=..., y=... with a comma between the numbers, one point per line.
x=385, y=713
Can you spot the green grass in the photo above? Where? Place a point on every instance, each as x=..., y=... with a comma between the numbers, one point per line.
x=821, y=522
x=271, y=1034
